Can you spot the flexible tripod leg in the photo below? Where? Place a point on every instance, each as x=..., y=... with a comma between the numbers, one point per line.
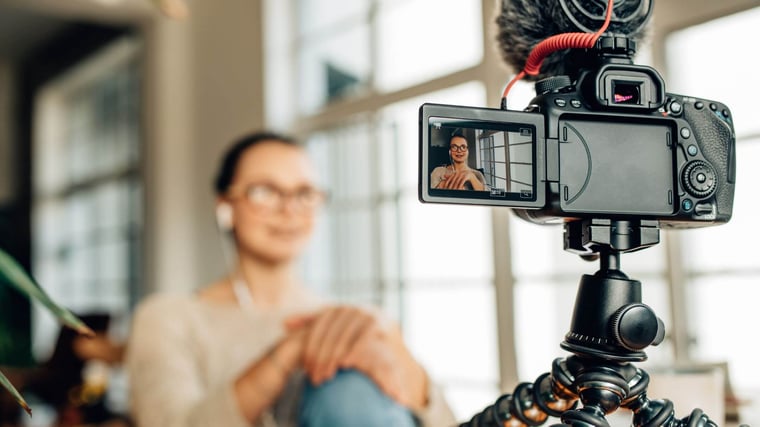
x=601, y=386
x=531, y=404
x=660, y=412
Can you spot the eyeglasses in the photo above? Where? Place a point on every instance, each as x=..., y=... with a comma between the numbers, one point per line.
x=269, y=197
x=457, y=148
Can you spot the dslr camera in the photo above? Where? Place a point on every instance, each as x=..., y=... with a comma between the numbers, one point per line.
x=607, y=141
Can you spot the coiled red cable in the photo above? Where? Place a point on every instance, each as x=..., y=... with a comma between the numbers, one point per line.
x=555, y=43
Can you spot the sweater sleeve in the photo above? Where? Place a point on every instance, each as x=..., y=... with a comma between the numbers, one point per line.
x=162, y=362
x=437, y=176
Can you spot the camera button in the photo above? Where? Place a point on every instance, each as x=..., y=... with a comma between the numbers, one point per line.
x=687, y=204
x=703, y=208
x=560, y=102
x=692, y=150
x=713, y=106
x=676, y=107
x=575, y=103
x=685, y=133
x=699, y=105
x=725, y=113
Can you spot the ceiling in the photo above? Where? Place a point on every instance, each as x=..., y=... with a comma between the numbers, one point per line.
x=26, y=24
x=22, y=30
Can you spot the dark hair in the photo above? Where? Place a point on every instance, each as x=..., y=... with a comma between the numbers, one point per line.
x=458, y=132
x=232, y=157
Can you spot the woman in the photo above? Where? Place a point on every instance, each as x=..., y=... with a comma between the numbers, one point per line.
x=256, y=348
x=458, y=175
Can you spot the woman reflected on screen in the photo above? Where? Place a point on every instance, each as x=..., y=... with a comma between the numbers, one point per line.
x=457, y=175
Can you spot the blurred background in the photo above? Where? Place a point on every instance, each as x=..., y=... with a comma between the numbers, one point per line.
x=113, y=117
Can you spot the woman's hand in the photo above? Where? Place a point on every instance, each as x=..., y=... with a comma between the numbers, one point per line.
x=330, y=335
x=350, y=337
x=457, y=181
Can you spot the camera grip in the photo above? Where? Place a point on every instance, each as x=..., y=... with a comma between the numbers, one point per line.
x=714, y=134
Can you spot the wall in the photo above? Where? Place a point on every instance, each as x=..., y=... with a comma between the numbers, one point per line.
x=229, y=90
x=169, y=255
x=204, y=88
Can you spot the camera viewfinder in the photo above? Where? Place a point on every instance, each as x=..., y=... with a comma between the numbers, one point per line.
x=626, y=92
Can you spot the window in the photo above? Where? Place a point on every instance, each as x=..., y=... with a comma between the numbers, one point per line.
x=447, y=38
x=86, y=211
x=357, y=49
x=375, y=245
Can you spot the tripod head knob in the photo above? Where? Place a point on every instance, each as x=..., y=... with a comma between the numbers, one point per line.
x=635, y=327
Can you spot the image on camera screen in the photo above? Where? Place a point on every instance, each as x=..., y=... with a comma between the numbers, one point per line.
x=482, y=160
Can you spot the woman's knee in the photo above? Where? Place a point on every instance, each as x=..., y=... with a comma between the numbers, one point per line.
x=351, y=399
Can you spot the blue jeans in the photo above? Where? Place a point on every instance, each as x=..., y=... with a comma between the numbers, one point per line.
x=351, y=399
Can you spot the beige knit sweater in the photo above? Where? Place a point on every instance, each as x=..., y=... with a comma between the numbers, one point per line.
x=184, y=355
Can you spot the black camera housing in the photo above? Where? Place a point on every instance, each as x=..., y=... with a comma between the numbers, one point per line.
x=612, y=144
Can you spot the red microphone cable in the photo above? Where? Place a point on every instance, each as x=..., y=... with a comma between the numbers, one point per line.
x=553, y=44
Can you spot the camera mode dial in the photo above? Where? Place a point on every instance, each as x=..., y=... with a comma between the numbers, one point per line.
x=699, y=178
x=552, y=84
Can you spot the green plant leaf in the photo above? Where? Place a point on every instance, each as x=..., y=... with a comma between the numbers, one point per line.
x=15, y=275
x=19, y=279
x=16, y=395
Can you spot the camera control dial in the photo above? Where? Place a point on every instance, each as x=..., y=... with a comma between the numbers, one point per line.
x=699, y=178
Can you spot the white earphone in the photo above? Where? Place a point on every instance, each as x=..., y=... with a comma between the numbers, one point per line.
x=224, y=216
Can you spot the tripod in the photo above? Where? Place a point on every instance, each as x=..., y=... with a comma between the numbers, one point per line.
x=610, y=329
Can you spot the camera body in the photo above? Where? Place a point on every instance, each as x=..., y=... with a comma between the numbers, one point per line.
x=610, y=144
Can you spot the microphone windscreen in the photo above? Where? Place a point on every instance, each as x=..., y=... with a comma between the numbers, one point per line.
x=522, y=24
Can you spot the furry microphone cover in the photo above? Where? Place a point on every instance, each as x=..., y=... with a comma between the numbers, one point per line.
x=524, y=23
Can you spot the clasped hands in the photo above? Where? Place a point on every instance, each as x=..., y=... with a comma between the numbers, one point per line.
x=345, y=337
x=458, y=179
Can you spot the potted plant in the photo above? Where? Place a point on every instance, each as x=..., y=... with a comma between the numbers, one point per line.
x=16, y=276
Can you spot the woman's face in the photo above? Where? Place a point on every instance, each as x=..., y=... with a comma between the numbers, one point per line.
x=458, y=149
x=274, y=200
